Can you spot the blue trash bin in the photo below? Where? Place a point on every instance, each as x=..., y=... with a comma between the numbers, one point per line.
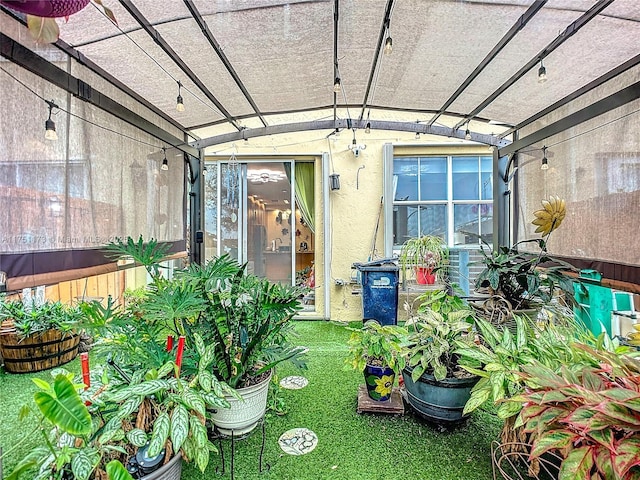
x=379, y=281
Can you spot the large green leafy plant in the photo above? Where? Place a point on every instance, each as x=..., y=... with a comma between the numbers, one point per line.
x=590, y=416
x=129, y=408
x=442, y=319
x=248, y=319
x=517, y=277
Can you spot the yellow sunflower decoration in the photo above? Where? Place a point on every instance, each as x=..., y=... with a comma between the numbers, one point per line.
x=550, y=217
x=384, y=385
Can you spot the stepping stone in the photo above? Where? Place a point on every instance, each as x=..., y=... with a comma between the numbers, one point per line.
x=294, y=382
x=298, y=441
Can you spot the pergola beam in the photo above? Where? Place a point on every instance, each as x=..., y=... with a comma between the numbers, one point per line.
x=568, y=32
x=613, y=101
x=171, y=53
x=27, y=59
x=413, y=127
x=519, y=25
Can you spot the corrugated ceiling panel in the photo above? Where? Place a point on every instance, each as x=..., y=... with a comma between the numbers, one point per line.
x=360, y=22
x=436, y=46
x=125, y=61
x=584, y=57
x=282, y=54
x=537, y=34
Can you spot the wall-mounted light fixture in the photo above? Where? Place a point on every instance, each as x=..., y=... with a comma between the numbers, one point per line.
x=50, y=125
x=179, y=102
x=334, y=181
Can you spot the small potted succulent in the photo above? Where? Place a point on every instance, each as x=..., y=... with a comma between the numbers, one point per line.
x=376, y=350
x=425, y=255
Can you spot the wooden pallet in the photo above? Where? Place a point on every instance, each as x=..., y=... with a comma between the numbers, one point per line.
x=394, y=405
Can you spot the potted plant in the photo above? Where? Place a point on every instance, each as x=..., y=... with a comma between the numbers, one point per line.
x=516, y=280
x=249, y=321
x=35, y=336
x=437, y=388
x=246, y=318
x=590, y=415
x=146, y=420
x=375, y=350
x=425, y=255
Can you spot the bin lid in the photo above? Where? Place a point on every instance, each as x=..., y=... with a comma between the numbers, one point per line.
x=592, y=275
x=384, y=264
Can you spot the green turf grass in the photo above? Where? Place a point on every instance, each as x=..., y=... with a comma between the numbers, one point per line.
x=350, y=446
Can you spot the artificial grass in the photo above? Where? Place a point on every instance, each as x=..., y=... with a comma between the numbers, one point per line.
x=350, y=446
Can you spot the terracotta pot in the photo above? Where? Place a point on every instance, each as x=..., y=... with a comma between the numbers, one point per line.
x=425, y=276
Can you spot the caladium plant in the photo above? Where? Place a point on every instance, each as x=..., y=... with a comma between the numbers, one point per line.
x=591, y=417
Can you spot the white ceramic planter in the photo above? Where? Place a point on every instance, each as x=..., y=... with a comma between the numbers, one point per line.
x=243, y=415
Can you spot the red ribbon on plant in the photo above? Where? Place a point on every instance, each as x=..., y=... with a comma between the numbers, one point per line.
x=179, y=355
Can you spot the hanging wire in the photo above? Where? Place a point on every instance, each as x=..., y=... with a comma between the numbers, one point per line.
x=78, y=116
x=212, y=107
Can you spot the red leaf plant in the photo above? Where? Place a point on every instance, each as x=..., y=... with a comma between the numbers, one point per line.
x=589, y=416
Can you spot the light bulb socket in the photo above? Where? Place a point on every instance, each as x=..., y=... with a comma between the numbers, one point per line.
x=165, y=164
x=542, y=74
x=388, y=46
x=50, y=130
x=179, y=104
x=367, y=129
x=337, y=85
x=545, y=164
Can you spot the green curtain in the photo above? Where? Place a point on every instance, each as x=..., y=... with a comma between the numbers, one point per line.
x=305, y=191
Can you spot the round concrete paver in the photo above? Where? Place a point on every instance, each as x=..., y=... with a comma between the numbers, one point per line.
x=294, y=382
x=298, y=441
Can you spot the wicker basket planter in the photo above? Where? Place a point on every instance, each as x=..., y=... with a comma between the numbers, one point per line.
x=37, y=352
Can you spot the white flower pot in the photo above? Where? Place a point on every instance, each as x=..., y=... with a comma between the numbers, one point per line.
x=243, y=415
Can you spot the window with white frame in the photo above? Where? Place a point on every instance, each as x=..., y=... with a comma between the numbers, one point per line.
x=450, y=196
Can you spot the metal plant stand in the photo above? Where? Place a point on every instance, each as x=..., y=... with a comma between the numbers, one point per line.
x=221, y=470
x=510, y=461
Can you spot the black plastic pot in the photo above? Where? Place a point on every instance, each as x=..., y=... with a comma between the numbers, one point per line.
x=438, y=401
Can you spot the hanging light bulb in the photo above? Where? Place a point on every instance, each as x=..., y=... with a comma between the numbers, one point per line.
x=179, y=102
x=336, y=85
x=545, y=162
x=388, y=46
x=50, y=125
x=467, y=133
x=204, y=171
x=417, y=135
x=367, y=129
x=165, y=162
x=542, y=73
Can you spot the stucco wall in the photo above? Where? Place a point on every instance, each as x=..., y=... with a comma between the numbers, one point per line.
x=354, y=208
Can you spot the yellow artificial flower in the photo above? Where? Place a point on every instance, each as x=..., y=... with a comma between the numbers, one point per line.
x=384, y=385
x=550, y=217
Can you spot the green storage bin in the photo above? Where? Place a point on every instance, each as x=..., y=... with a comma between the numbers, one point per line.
x=594, y=303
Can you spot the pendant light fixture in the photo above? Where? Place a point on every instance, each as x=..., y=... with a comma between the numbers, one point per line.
x=179, y=102
x=367, y=128
x=542, y=73
x=165, y=162
x=467, y=133
x=545, y=162
x=388, y=43
x=337, y=85
x=50, y=125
